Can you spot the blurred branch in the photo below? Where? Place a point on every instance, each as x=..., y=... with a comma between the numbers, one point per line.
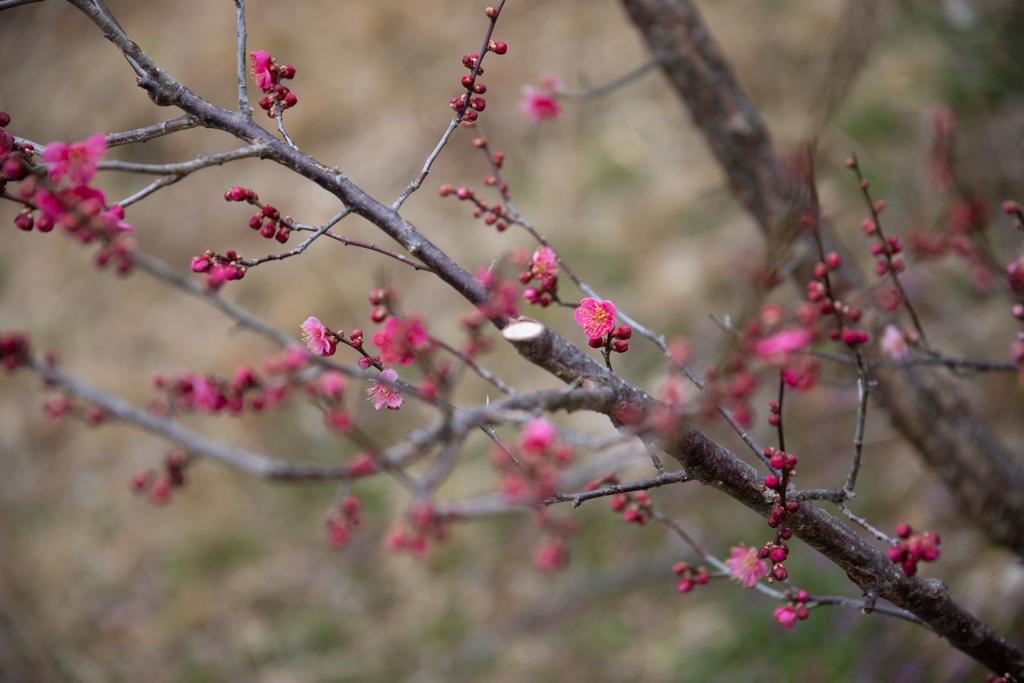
x=600, y=90
x=928, y=408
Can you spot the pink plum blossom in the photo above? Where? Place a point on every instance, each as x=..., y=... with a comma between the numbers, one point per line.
x=399, y=340
x=317, y=338
x=541, y=104
x=538, y=435
x=76, y=161
x=384, y=396
x=746, y=567
x=894, y=343
x=260, y=73
x=785, y=616
x=597, y=317
x=782, y=343
x=545, y=268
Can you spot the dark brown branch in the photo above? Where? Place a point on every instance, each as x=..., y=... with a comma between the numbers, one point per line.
x=865, y=565
x=927, y=407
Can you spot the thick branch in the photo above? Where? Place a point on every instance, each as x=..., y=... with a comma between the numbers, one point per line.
x=928, y=408
x=866, y=566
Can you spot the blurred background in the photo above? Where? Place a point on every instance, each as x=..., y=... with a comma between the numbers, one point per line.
x=234, y=580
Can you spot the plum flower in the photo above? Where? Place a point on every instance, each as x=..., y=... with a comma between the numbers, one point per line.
x=384, y=396
x=597, y=317
x=894, y=343
x=782, y=343
x=545, y=268
x=538, y=435
x=399, y=340
x=318, y=338
x=541, y=104
x=746, y=567
x=260, y=71
x=785, y=616
x=76, y=161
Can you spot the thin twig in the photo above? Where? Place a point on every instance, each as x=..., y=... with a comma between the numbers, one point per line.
x=178, y=123
x=578, y=499
x=243, y=95
x=614, y=84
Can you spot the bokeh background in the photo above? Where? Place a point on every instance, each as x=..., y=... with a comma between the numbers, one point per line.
x=234, y=581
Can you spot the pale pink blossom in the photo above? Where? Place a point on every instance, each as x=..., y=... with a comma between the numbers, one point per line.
x=317, y=338
x=76, y=161
x=332, y=384
x=746, y=567
x=384, y=396
x=785, y=616
x=783, y=343
x=597, y=317
x=260, y=73
x=894, y=343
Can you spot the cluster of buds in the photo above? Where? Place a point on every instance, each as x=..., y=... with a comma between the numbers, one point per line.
x=57, y=406
x=467, y=104
x=543, y=269
x=635, y=507
x=846, y=316
x=14, y=349
x=535, y=474
x=276, y=226
x=493, y=214
x=198, y=392
x=787, y=615
x=158, y=485
x=268, y=75
x=777, y=553
x=779, y=512
x=342, y=520
x=241, y=194
x=616, y=340
x=421, y=527
x=778, y=460
x=497, y=159
x=913, y=548
x=689, y=576
x=381, y=300
x=219, y=269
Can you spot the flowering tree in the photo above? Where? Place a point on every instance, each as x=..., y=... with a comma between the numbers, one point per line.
x=865, y=334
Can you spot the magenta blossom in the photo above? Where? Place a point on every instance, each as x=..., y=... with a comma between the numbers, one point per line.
x=545, y=268
x=782, y=343
x=260, y=71
x=384, y=396
x=318, y=338
x=76, y=161
x=746, y=566
x=538, y=435
x=597, y=317
x=785, y=616
x=542, y=104
x=399, y=340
